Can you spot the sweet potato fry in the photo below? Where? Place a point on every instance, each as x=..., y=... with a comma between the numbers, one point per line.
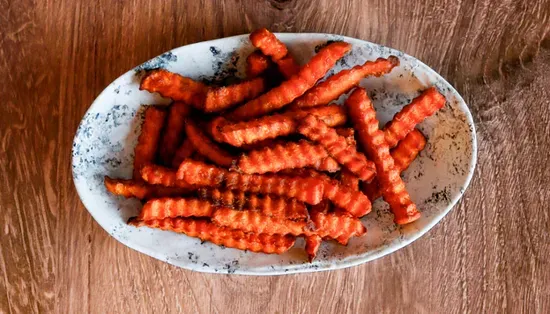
x=249, y=132
x=313, y=243
x=337, y=147
x=148, y=140
x=185, y=150
x=173, y=132
x=340, y=83
x=207, y=231
x=207, y=147
x=296, y=86
x=254, y=221
x=349, y=180
x=222, y=98
x=268, y=142
x=256, y=64
x=273, y=47
x=288, y=66
x=337, y=225
x=166, y=207
x=303, y=189
x=348, y=199
x=268, y=44
x=154, y=174
x=175, y=86
x=374, y=143
x=349, y=134
x=419, y=109
x=271, y=206
x=327, y=164
x=290, y=155
x=213, y=128
x=141, y=190
x=407, y=149
x=403, y=155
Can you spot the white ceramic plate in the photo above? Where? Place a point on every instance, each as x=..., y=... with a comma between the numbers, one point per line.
x=106, y=137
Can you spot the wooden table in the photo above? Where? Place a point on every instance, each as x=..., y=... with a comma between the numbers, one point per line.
x=491, y=253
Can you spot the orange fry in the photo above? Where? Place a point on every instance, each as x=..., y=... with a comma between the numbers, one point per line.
x=154, y=174
x=213, y=128
x=175, y=86
x=222, y=98
x=268, y=44
x=337, y=147
x=256, y=64
x=349, y=180
x=185, y=150
x=286, y=156
x=374, y=143
x=161, y=208
x=140, y=189
x=227, y=237
x=308, y=190
x=254, y=221
x=249, y=132
x=327, y=164
x=350, y=200
x=337, y=225
x=207, y=147
x=271, y=206
x=148, y=140
x=403, y=155
x=343, y=81
x=348, y=133
x=268, y=142
x=173, y=132
x=419, y=109
x=313, y=243
x=288, y=66
x=289, y=90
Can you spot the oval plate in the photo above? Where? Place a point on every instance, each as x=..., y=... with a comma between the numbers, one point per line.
x=105, y=140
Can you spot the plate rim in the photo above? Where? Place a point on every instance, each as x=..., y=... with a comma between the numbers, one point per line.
x=391, y=248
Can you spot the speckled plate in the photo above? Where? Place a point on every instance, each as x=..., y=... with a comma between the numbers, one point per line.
x=106, y=137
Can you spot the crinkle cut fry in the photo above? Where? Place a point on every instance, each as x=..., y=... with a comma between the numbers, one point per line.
x=185, y=150
x=207, y=147
x=173, y=132
x=268, y=127
x=272, y=206
x=349, y=180
x=403, y=155
x=349, y=134
x=313, y=242
x=337, y=147
x=168, y=207
x=208, y=231
x=175, y=86
x=288, y=156
x=268, y=43
x=340, y=83
x=308, y=190
x=155, y=174
x=337, y=225
x=327, y=164
x=256, y=64
x=148, y=140
x=140, y=189
x=288, y=66
x=346, y=198
x=222, y=98
x=297, y=85
x=256, y=222
x=374, y=143
x=419, y=109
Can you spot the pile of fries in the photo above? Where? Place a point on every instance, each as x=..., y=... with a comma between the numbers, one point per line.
x=254, y=165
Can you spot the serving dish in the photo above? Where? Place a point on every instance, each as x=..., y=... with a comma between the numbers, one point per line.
x=107, y=134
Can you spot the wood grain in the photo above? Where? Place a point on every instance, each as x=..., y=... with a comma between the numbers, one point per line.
x=489, y=255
